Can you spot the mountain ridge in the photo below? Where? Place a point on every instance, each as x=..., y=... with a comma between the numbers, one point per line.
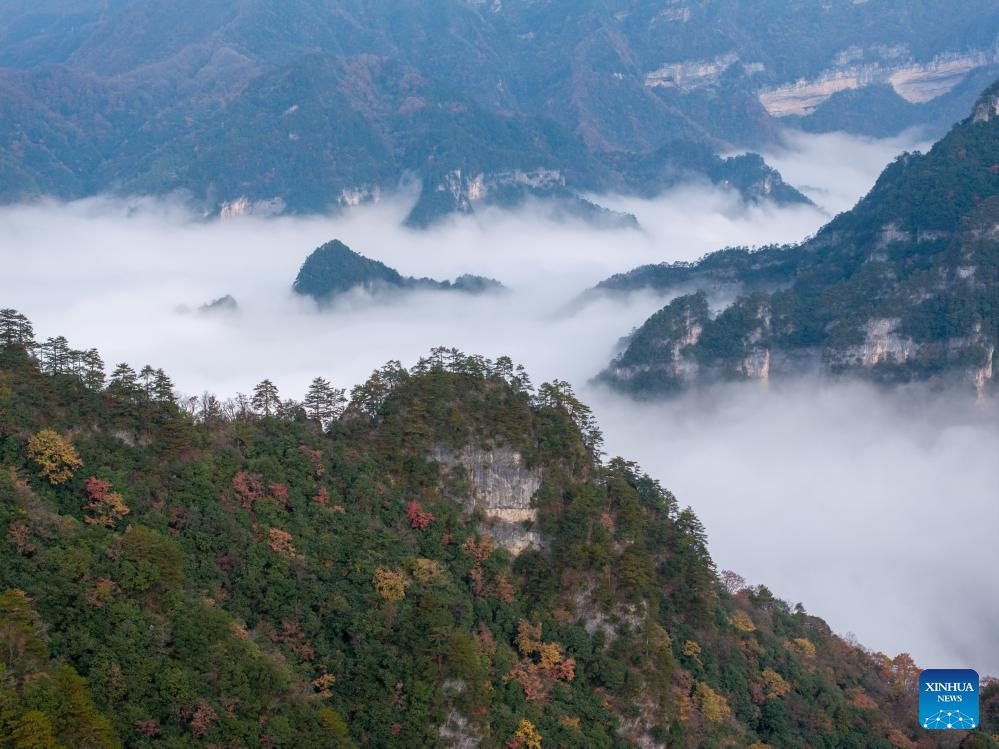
x=324, y=573
x=315, y=104
x=900, y=288
x=333, y=269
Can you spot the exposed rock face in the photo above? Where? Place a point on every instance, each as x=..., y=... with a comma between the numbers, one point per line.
x=900, y=289
x=857, y=68
x=986, y=110
x=691, y=74
x=242, y=206
x=502, y=487
x=882, y=343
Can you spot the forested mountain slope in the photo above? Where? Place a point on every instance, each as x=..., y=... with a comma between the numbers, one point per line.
x=903, y=287
x=440, y=561
x=260, y=105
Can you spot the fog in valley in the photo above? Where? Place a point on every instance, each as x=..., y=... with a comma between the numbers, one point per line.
x=876, y=510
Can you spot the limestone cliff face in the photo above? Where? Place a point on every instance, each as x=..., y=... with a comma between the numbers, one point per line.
x=987, y=109
x=675, y=357
x=500, y=485
x=916, y=82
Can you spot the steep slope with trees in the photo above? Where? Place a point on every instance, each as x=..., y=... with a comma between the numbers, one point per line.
x=903, y=287
x=260, y=572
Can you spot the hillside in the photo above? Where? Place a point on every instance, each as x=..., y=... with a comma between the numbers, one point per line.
x=334, y=269
x=305, y=106
x=903, y=287
x=442, y=560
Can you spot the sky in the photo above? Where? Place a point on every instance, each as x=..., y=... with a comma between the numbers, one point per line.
x=875, y=514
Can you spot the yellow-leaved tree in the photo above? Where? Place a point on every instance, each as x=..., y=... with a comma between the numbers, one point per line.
x=526, y=737
x=391, y=585
x=713, y=705
x=55, y=455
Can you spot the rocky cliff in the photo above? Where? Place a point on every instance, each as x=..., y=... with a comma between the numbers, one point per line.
x=502, y=488
x=904, y=287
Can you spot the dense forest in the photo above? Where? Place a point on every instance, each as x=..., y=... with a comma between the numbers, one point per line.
x=258, y=571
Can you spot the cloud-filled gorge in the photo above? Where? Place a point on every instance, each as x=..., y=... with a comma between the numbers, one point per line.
x=877, y=511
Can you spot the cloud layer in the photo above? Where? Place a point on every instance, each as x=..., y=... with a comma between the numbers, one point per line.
x=874, y=514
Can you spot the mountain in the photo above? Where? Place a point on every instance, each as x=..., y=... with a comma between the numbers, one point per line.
x=302, y=105
x=334, y=269
x=903, y=287
x=444, y=560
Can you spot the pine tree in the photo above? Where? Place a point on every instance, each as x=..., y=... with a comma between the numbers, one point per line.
x=266, y=399
x=92, y=369
x=124, y=381
x=15, y=330
x=162, y=387
x=147, y=376
x=316, y=399
x=324, y=403
x=55, y=355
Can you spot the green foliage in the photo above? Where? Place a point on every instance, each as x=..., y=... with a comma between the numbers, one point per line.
x=272, y=587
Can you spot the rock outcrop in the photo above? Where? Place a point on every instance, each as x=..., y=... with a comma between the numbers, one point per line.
x=502, y=487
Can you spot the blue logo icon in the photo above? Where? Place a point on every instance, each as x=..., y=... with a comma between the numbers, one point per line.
x=948, y=698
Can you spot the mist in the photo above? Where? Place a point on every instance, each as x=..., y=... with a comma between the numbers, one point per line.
x=877, y=516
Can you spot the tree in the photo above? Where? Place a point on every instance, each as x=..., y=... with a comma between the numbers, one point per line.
x=324, y=403
x=21, y=649
x=733, y=581
x=162, y=387
x=105, y=507
x=15, y=330
x=55, y=455
x=774, y=684
x=560, y=396
x=124, y=382
x=526, y=737
x=265, y=398
x=147, y=376
x=92, y=369
x=391, y=585
x=418, y=518
x=713, y=705
x=209, y=409
x=54, y=354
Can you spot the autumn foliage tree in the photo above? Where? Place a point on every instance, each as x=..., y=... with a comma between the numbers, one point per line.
x=391, y=585
x=418, y=518
x=526, y=737
x=55, y=455
x=104, y=507
x=543, y=663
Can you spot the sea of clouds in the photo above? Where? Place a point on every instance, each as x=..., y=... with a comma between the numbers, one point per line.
x=876, y=510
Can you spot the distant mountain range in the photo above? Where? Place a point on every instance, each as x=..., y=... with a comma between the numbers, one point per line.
x=301, y=105
x=904, y=287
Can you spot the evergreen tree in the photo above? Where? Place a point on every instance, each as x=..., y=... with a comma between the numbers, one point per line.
x=324, y=403
x=15, y=329
x=266, y=400
x=147, y=376
x=124, y=381
x=162, y=390
x=92, y=369
x=55, y=355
